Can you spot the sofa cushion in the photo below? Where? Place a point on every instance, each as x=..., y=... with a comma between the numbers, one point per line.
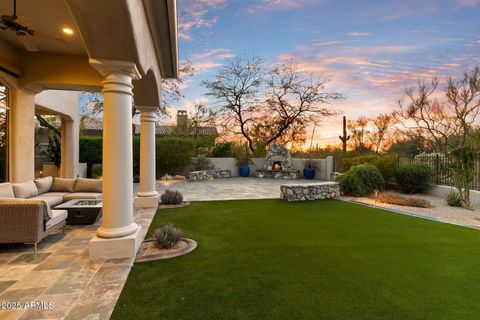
x=88, y=185
x=52, y=200
x=82, y=195
x=6, y=190
x=57, y=217
x=63, y=185
x=25, y=190
x=44, y=184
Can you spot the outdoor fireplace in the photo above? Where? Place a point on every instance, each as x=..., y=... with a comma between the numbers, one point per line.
x=278, y=164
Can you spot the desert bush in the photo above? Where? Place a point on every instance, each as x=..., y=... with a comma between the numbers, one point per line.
x=454, y=198
x=386, y=164
x=168, y=236
x=96, y=170
x=173, y=154
x=202, y=163
x=223, y=150
x=310, y=163
x=171, y=197
x=398, y=199
x=413, y=177
x=361, y=180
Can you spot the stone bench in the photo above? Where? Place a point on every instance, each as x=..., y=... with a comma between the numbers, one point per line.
x=205, y=175
x=309, y=191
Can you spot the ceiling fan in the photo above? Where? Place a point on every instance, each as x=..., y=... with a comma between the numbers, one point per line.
x=24, y=33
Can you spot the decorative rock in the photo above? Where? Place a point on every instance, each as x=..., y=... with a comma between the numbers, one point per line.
x=317, y=191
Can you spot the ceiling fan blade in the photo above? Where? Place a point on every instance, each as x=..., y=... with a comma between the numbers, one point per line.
x=24, y=21
x=28, y=43
x=60, y=41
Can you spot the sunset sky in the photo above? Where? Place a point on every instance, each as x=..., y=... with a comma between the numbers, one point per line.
x=370, y=50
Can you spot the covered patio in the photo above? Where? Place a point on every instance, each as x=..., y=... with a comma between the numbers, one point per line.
x=124, y=51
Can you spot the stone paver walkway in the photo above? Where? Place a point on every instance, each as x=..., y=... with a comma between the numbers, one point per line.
x=229, y=189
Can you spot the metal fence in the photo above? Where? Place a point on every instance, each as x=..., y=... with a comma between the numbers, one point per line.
x=441, y=166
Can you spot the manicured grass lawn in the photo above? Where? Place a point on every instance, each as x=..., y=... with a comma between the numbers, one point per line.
x=268, y=259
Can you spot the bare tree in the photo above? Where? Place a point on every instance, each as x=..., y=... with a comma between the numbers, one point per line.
x=264, y=104
x=447, y=122
x=359, y=133
x=382, y=126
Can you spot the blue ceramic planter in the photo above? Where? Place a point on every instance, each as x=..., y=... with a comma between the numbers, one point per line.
x=308, y=173
x=244, y=171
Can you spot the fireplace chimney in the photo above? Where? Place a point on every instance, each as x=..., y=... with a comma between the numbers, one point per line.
x=182, y=118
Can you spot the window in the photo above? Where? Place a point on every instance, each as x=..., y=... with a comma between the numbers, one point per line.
x=4, y=132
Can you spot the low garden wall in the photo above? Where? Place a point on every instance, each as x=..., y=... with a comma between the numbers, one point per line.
x=311, y=191
x=322, y=173
x=441, y=191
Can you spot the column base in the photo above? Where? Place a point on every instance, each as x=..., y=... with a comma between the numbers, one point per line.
x=145, y=202
x=115, y=248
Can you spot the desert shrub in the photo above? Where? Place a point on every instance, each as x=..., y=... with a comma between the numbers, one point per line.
x=223, y=150
x=361, y=180
x=386, y=164
x=97, y=170
x=413, y=177
x=168, y=236
x=202, y=163
x=454, y=198
x=398, y=199
x=173, y=154
x=310, y=163
x=171, y=197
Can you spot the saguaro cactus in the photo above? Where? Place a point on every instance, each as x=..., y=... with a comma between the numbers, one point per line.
x=344, y=138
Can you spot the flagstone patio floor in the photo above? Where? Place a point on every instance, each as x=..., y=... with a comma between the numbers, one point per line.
x=62, y=273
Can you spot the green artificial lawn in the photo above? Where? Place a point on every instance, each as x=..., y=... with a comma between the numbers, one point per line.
x=269, y=259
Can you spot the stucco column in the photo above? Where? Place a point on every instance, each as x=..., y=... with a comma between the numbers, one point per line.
x=147, y=197
x=117, y=219
x=70, y=136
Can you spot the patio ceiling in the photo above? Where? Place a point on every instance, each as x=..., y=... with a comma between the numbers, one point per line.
x=142, y=32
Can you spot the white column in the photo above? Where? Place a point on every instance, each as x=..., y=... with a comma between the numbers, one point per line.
x=70, y=136
x=147, y=197
x=118, y=236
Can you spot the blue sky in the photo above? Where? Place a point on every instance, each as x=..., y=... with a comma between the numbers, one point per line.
x=370, y=50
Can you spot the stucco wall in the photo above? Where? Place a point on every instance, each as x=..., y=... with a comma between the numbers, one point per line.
x=441, y=191
x=322, y=173
x=66, y=104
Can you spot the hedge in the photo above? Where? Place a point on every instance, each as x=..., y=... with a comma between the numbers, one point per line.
x=172, y=154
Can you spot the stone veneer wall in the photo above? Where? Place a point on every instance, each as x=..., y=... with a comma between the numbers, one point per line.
x=278, y=153
x=318, y=191
x=205, y=175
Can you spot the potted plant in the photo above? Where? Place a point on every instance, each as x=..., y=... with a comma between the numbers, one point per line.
x=309, y=167
x=243, y=161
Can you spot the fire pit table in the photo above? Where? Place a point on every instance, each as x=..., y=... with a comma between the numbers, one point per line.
x=82, y=211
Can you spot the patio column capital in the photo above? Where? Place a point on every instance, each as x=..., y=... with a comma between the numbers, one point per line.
x=108, y=67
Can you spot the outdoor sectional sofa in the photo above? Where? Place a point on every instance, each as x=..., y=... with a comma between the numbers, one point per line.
x=26, y=214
